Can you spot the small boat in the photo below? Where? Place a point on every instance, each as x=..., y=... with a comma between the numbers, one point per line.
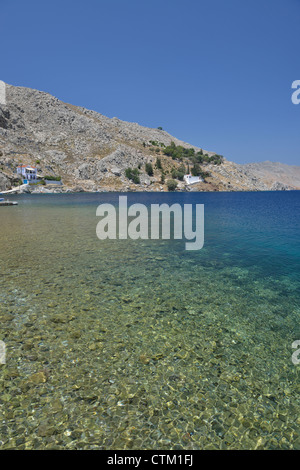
x=4, y=202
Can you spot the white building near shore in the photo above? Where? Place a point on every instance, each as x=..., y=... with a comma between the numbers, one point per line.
x=189, y=179
x=28, y=173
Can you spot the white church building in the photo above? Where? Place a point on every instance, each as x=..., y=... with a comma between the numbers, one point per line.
x=189, y=179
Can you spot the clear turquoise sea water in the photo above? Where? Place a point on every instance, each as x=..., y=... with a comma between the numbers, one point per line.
x=123, y=344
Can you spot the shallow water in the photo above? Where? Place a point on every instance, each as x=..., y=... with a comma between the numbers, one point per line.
x=123, y=344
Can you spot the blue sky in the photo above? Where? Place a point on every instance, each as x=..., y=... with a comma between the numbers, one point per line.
x=214, y=73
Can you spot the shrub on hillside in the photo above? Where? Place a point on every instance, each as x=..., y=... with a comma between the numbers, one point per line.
x=172, y=185
x=149, y=169
x=133, y=175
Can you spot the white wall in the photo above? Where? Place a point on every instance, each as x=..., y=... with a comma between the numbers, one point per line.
x=2, y=93
x=192, y=179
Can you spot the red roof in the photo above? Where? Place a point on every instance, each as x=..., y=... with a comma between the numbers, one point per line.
x=27, y=166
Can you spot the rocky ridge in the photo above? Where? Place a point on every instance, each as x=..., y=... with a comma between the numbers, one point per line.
x=91, y=152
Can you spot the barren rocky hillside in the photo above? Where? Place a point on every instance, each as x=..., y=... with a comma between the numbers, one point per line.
x=273, y=173
x=92, y=152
